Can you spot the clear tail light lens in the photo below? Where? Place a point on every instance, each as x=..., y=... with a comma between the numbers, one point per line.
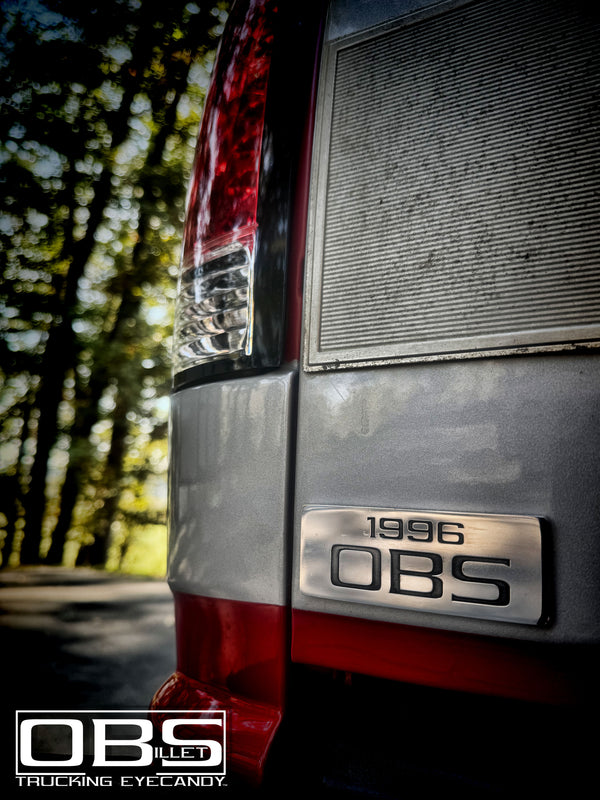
x=215, y=310
x=214, y=306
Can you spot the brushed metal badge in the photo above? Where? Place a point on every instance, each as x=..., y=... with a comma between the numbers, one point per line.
x=487, y=566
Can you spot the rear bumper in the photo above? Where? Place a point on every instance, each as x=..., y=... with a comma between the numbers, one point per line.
x=445, y=659
x=277, y=677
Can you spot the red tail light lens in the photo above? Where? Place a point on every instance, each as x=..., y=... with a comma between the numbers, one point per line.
x=214, y=314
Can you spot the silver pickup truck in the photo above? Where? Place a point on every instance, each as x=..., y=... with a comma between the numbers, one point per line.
x=385, y=442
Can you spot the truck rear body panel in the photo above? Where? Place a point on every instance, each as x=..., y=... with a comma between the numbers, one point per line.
x=437, y=371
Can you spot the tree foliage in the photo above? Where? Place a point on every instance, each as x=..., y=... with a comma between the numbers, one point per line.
x=99, y=109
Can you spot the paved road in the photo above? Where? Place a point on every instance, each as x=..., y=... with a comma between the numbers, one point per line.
x=79, y=639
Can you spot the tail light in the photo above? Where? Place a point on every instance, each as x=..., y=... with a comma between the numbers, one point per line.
x=214, y=318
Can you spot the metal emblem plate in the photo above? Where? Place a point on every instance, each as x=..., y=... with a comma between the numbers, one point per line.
x=487, y=566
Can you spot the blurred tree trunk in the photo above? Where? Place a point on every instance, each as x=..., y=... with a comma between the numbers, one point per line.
x=11, y=487
x=95, y=553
